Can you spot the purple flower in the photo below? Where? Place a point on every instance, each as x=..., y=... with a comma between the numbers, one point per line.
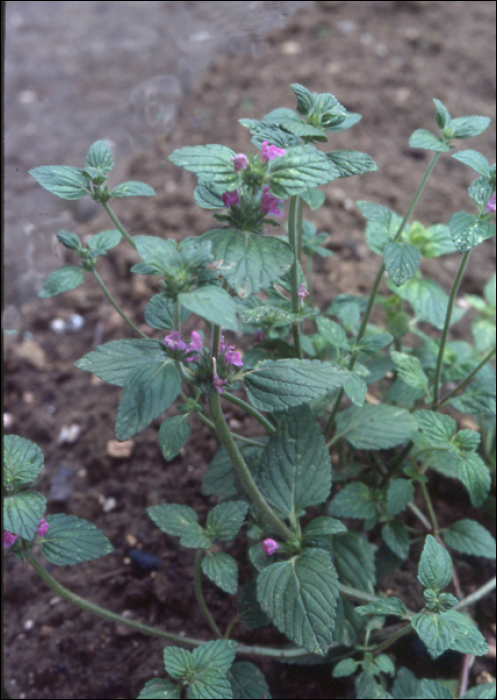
x=195, y=344
x=240, y=161
x=269, y=152
x=491, y=205
x=270, y=546
x=222, y=344
x=269, y=204
x=8, y=539
x=230, y=198
x=174, y=342
x=302, y=293
x=218, y=382
x=42, y=528
x=232, y=357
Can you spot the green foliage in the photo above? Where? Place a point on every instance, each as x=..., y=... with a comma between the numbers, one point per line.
x=71, y=540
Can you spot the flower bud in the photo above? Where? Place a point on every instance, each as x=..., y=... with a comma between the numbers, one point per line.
x=240, y=161
x=302, y=293
x=42, y=528
x=270, y=546
x=230, y=199
x=269, y=203
x=270, y=152
x=491, y=205
x=173, y=341
x=8, y=539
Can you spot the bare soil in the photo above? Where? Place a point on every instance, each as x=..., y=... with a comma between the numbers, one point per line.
x=385, y=60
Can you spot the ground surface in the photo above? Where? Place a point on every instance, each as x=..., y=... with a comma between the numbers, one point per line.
x=386, y=60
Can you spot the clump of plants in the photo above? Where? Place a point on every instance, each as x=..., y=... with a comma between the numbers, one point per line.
x=307, y=380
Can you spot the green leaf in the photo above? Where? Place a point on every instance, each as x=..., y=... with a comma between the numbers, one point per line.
x=304, y=97
x=333, y=333
x=320, y=526
x=148, y=391
x=375, y=427
x=100, y=157
x=178, y=662
x=433, y=690
x=475, y=160
x=69, y=240
x=64, y=181
x=354, y=560
x=159, y=689
x=442, y=114
x=396, y=536
x=428, y=300
x=22, y=513
x=383, y=225
x=133, y=189
x=295, y=467
x=367, y=688
x=160, y=311
x=211, y=163
x=159, y=254
x=469, y=640
x=388, y=606
x=487, y=690
x=352, y=162
x=211, y=684
x=372, y=343
x=222, y=570
x=409, y=369
x=401, y=261
x=22, y=462
x=435, y=565
x=225, y=520
x=249, y=610
x=421, y=138
x=356, y=389
x=62, y=280
x=180, y=521
x=105, y=240
x=355, y=500
x=300, y=169
x=432, y=242
x=468, y=231
x=173, y=434
x=70, y=540
x=214, y=304
x=406, y=685
x=344, y=668
x=479, y=397
x=113, y=361
x=400, y=494
x=219, y=480
x=469, y=537
x=207, y=196
x=300, y=597
x=268, y=131
x=247, y=261
x=303, y=130
x=467, y=127
x=217, y=654
x=247, y=682
x=437, y=632
x=314, y=198
x=280, y=384
x=385, y=664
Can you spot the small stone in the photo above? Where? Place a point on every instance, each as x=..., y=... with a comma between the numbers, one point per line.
x=109, y=504
x=74, y=323
x=120, y=450
x=68, y=434
x=28, y=625
x=60, y=487
x=8, y=421
x=32, y=352
x=58, y=326
x=291, y=48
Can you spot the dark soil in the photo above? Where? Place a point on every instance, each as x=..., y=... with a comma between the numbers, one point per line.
x=385, y=60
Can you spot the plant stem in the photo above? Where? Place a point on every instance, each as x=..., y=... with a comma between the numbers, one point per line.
x=116, y=305
x=477, y=595
x=243, y=472
x=177, y=315
x=250, y=410
x=429, y=506
x=238, y=438
x=445, y=332
x=118, y=224
x=300, y=229
x=420, y=516
x=199, y=595
x=294, y=275
x=216, y=339
x=391, y=640
x=470, y=376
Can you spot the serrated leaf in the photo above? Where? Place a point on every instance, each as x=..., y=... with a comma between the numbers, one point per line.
x=268, y=131
x=469, y=640
x=278, y=385
x=211, y=163
x=208, y=196
x=401, y=261
x=300, y=597
x=375, y=427
x=467, y=127
x=387, y=606
x=22, y=462
x=62, y=280
x=479, y=397
x=352, y=162
x=247, y=261
x=400, y=494
x=303, y=130
x=485, y=691
x=173, y=433
x=469, y=537
x=158, y=254
x=69, y=240
x=467, y=231
x=435, y=565
x=344, y=668
x=295, y=467
x=383, y=224
x=304, y=97
x=409, y=369
x=71, y=540
x=300, y=169
x=131, y=188
x=159, y=689
x=160, y=311
x=148, y=391
x=314, y=198
x=333, y=333
x=432, y=690
x=105, y=240
x=437, y=632
x=354, y=560
x=222, y=570
x=212, y=684
x=214, y=304
x=372, y=343
x=422, y=138
x=356, y=389
x=442, y=114
x=22, y=513
x=113, y=361
x=475, y=160
x=217, y=654
x=180, y=521
x=367, y=688
x=322, y=525
x=64, y=181
x=355, y=500
x=406, y=685
x=219, y=480
x=247, y=682
x=225, y=520
x=99, y=156
x=249, y=610
x=396, y=537
x=178, y=662
x=428, y=300
x=385, y=664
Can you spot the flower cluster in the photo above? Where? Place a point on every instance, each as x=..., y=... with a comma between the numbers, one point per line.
x=230, y=357
x=269, y=203
x=9, y=538
x=270, y=152
x=173, y=342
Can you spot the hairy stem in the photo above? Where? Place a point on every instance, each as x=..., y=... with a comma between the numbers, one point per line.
x=116, y=305
x=294, y=275
x=470, y=376
x=250, y=410
x=118, y=224
x=200, y=596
